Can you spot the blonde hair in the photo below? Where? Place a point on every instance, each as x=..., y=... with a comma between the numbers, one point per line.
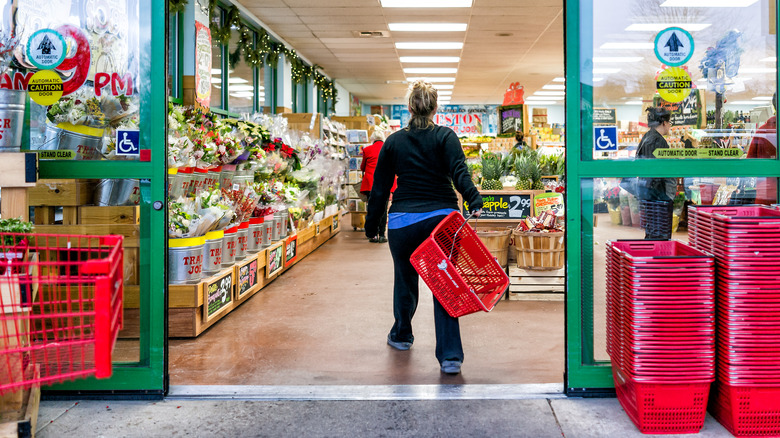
x=422, y=99
x=377, y=135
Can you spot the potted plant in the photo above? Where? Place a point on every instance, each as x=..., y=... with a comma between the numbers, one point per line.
x=612, y=196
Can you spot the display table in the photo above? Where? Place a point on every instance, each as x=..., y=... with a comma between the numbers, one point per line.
x=192, y=308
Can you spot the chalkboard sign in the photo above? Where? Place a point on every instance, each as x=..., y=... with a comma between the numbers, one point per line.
x=604, y=116
x=291, y=250
x=335, y=223
x=510, y=119
x=275, y=259
x=219, y=294
x=504, y=206
x=685, y=113
x=247, y=278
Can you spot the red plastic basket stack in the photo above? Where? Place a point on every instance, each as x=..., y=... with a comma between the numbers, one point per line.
x=459, y=269
x=60, y=307
x=746, y=245
x=661, y=332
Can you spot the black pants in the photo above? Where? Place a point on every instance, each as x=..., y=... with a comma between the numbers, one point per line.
x=382, y=219
x=403, y=242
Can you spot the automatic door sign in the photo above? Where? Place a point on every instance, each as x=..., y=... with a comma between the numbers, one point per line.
x=674, y=84
x=605, y=138
x=127, y=142
x=674, y=46
x=45, y=87
x=46, y=49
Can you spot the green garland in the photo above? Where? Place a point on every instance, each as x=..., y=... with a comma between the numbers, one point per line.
x=175, y=6
x=266, y=51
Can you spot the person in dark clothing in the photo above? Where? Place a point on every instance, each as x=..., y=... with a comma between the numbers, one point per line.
x=764, y=145
x=427, y=160
x=520, y=141
x=656, y=189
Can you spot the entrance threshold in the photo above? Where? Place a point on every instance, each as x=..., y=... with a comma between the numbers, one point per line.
x=368, y=392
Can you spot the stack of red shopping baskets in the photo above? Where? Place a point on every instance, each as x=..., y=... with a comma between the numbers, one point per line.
x=661, y=332
x=746, y=245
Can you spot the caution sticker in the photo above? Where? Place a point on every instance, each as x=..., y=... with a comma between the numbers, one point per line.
x=45, y=87
x=674, y=84
x=46, y=49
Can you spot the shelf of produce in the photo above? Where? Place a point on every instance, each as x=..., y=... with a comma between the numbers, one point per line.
x=189, y=313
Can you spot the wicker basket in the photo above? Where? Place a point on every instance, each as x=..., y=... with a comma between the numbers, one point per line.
x=540, y=251
x=496, y=240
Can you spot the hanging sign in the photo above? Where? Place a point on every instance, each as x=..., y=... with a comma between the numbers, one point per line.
x=514, y=94
x=510, y=119
x=674, y=46
x=674, y=84
x=604, y=116
x=46, y=49
x=202, y=65
x=45, y=87
x=687, y=112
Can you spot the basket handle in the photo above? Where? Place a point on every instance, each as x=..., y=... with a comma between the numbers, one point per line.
x=452, y=248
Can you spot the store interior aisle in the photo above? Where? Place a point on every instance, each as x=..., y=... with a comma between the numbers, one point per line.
x=325, y=322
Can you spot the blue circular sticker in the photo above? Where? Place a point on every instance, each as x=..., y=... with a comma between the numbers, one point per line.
x=46, y=49
x=673, y=46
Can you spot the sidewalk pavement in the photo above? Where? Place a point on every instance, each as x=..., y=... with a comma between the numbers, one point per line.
x=539, y=417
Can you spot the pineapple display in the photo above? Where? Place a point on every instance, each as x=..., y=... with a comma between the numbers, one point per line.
x=491, y=172
x=523, y=173
x=536, y=176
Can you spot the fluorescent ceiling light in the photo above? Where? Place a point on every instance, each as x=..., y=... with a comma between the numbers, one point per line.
x=605, y=71
x=770, y=59
x=427, y=27
x=237, y=81
x=536, y=98
x=627, y=46
x=216, y=71
x=431, y=79
x=762, y=98
x=445, y=93
x=241, y=87
x=656, y=27
x=707, y=3
x=634, y=102
x=425, y=70
x=444, y=86
x=429, y=46
x=542, y=102
x=559, y=80
x=554, y=87
x=744, y=102
x=550, y=93
x=426, y=3
x=757, y=70
x=598, y=79
x=430, y=59
x=242, y=94
x=615, y=59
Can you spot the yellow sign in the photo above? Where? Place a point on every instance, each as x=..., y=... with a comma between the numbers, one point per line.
x=702, y=153
x=57, y=155
x=674, y=84
x=45, y=87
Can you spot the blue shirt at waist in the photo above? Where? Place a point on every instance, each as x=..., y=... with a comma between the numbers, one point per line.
x=400, y=220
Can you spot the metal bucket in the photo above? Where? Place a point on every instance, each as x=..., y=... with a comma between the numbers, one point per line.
x=87, y=147
x=212, y=178
x=255, y=234
x=51, y=140
x=118, y=192
x=184, y=178
x=283, y=218
x=174, y=184
x=242, y=241
x=199, y=177
x=229, y=246
x=278, y=224
x=212, y=252
x=11, y=119
x=226, y=177
x=269, y=225
x=185, y=260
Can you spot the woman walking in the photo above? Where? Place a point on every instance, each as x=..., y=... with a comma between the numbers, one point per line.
x=427, y=160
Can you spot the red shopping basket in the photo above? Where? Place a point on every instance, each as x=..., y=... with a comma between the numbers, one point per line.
x=458, y=269
x=60, y=307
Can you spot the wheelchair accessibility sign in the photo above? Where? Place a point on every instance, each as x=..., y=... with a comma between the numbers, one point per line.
x=605, y=138
x=128, y=142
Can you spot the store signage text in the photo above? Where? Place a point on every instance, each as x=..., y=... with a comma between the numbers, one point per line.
x=120, y=84
x=194, y=262
x=702, y=153
x=461, y=123
x=504, y=206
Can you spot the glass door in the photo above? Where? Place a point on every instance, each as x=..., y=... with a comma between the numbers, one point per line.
x=101, y=146
x=676, y=95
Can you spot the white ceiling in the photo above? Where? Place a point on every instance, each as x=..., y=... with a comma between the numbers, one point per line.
x=370, y=68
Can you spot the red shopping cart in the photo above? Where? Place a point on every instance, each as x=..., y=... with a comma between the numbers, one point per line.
x=459, y=269
x=60, y=307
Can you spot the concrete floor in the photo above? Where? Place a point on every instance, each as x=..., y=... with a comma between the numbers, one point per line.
x=325, y=322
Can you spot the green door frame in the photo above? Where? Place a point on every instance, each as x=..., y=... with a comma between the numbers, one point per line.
x=585, y=376
x=148, y=377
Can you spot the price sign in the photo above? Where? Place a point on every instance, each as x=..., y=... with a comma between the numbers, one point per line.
x=247, y=278
x=504, y=206
x=219, y=294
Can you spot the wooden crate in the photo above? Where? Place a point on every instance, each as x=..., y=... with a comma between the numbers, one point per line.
x=22, y=421
x=527, y=284
x=61, y=192
x=91, y=214
x=539, y=251
x=306, y=122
